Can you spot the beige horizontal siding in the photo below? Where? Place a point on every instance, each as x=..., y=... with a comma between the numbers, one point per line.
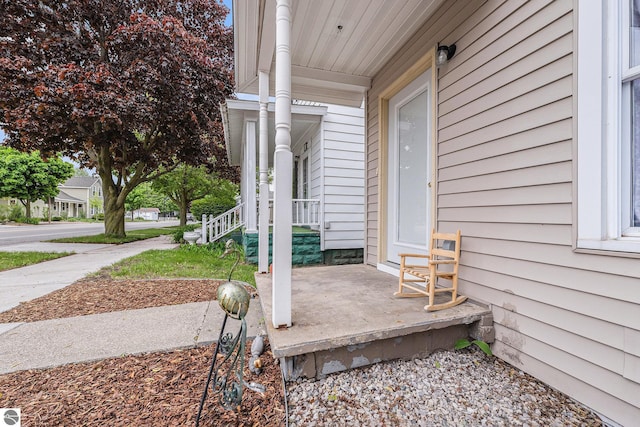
x=618, y=271
x=525, y=122
x=543, y=135
x=546, y=154
x=525, y=102
x=547, y=76
x=539, y=175
x=534, y=195
x=514, y=44
x=544, y=214
x=555, y=234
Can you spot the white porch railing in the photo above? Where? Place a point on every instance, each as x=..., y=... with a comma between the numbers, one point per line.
x=215, y=228
x=304, y=212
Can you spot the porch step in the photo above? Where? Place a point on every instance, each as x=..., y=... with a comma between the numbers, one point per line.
x=346, y=317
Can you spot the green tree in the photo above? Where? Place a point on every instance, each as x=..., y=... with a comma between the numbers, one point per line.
x=27, y=177
x=145, y=196
x=184, y=185
x=128, y=87
x=95, y=202
x=138, y=198
x=221, y=198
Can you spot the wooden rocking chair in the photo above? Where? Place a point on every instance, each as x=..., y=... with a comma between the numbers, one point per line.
x=442, y=263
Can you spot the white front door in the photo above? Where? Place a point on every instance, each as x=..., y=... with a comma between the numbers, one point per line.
x=409, y=169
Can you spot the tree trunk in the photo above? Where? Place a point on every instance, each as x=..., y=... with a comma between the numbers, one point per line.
x=112, y=194
x=183, y=212
x=27, y=208
x=113, y=216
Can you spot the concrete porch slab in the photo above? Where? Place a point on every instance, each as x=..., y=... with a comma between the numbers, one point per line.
x=352, y=307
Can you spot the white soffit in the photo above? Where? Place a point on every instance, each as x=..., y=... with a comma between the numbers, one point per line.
x=337, y=45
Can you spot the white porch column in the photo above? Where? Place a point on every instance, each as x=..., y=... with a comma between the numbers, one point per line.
x=283, y=165
x=250, y=168
x=263, y=217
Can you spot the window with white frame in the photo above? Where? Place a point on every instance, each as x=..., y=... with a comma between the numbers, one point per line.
x=608, y=138
x=631, y=74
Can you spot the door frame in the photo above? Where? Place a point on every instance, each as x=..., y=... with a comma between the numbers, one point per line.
x=419, y=67
x=302, y=179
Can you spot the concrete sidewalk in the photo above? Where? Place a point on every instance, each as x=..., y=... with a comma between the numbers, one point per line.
x=57, y=342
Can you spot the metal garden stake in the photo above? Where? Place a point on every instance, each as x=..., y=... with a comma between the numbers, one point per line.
x=226, y=377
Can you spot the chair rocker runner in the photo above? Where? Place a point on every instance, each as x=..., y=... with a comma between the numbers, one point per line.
x=442, y=263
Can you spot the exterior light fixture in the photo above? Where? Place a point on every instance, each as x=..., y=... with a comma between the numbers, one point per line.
x=444, y=54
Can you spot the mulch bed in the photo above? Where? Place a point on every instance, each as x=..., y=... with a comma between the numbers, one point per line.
x=157, y=389
x=94, y=295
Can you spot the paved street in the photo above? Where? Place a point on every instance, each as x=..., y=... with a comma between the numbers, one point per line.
x=17, y=234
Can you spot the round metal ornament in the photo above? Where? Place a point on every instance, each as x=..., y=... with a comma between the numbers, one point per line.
x=233, y=299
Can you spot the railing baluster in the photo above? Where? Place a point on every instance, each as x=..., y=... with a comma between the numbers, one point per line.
x=304, y=211
x=222, y=224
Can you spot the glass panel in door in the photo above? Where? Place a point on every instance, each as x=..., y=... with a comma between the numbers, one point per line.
x=408, y=219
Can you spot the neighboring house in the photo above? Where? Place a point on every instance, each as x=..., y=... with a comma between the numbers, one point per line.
x=527, y=140
x=328, y=170
x=79, y=195
x=149, y=214
x=65, y=205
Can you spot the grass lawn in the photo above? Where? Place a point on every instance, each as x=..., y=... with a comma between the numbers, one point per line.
x=196, y=262
x=9, y=260
x=132, y=236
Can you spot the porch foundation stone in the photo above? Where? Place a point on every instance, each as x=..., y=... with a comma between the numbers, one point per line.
x=343, y=256
x=483, y=329
x=305, y=249
x=319, y=364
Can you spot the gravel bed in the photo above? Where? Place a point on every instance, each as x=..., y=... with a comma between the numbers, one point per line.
x=462, y=388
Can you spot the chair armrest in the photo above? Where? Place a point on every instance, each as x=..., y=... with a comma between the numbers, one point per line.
x=413, y=256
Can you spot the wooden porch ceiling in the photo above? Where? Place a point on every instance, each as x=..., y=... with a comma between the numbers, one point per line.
x=337, y=46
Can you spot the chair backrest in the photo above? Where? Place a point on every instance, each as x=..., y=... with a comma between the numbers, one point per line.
x=445, y=246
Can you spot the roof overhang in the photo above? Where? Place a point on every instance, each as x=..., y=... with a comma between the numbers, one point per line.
x=337, y=47
x=235, y=113
x=64, y=197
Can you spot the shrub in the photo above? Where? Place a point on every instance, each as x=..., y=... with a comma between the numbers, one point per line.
x=56, y=218
x=4, y=212
x=16, y=213
x=99, y=216
x=211, y=206
x=32, y=220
